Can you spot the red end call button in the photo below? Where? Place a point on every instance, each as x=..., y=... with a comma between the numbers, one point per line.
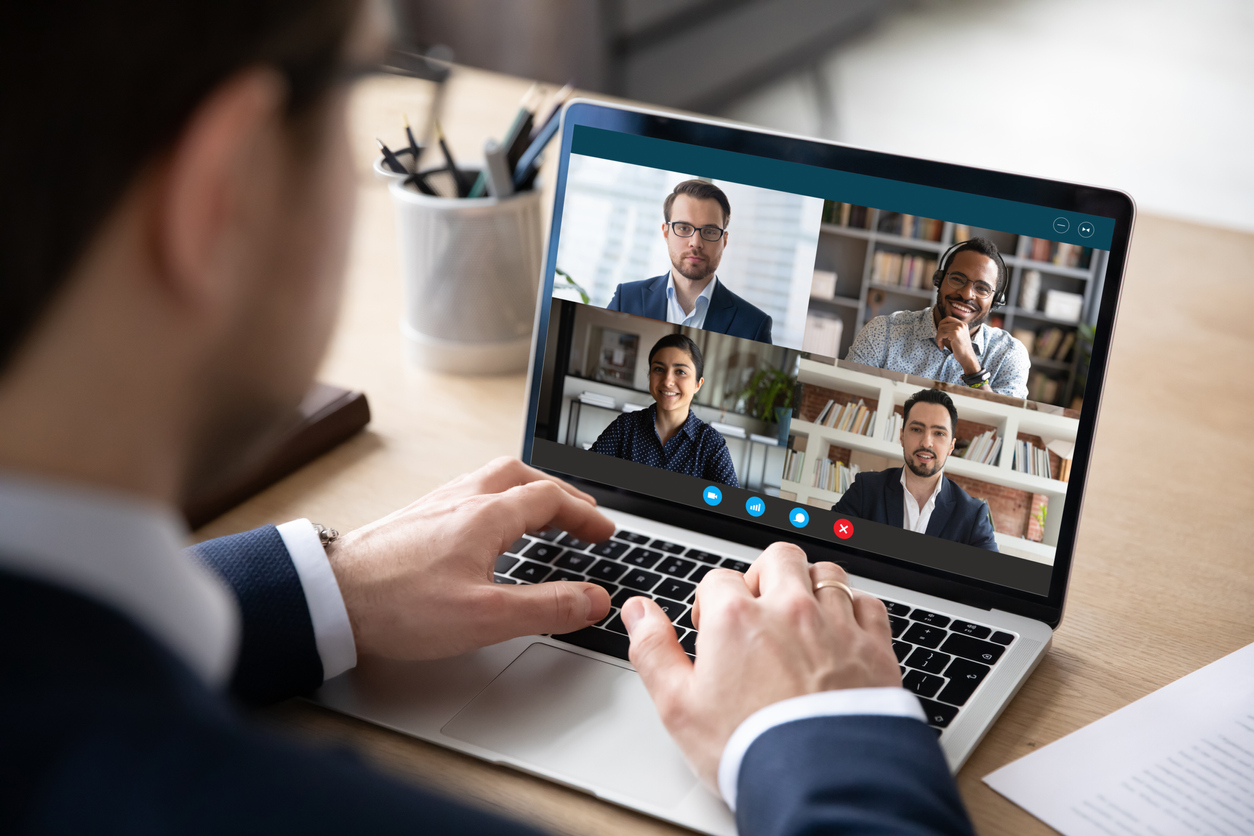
x=843, y=529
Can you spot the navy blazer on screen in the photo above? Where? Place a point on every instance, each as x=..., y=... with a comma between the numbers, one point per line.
x=103, y=730
x=727, y=314
x=878, y=496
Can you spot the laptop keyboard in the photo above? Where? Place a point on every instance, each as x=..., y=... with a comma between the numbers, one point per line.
x=943, y=659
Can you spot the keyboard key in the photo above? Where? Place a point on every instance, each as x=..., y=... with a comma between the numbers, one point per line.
x=689, y=643
x=897, y=624
x=543, y=552
x=563, y=575
x=673, y=609
x=964, y=678
x=503, y=579
x=530, y=572
x=704, y=557
x=640, y=579
x=1002, y=638
x=676, y=566
x=549, y=534
x=934, y=619
x=736, y=565
x=608, y=617
x=610, y=548
x=607, y=570
x=574, y=561
x=622, y=596
x=701, y=572
x=616, y=624
x=938, y=715
x=573, y=542
x=606, y=585
x=631, y=537
x=685, y=620
x=520, y=544
x=504, y=563
x=928, y=661
x=969, y=629
x=927, y=636
x=602, y=641
x=901, y=649
x=642, y=557
x=677, y=590
x=923, y=684
x=894, y=608
x=974, y=649
x=669, y=548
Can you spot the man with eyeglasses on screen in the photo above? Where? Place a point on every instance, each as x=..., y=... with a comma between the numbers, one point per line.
x=696, y=216
x=951, y=341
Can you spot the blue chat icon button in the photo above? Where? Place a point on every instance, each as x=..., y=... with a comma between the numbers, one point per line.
x=712, y=495
x=799, y=517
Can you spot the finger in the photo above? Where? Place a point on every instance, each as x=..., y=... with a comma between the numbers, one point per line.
x=781, y=567
x=833, y=600
x=499, y=475
x=530, y=609
x=719, y=585
x=872, y=616
x=537, y=505
x=656, y=654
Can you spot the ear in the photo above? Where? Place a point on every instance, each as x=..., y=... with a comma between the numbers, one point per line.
x=211, y=174
x=700, y=383
x=666, y=231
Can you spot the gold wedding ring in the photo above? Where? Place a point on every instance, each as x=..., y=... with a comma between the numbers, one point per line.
x=836, y=585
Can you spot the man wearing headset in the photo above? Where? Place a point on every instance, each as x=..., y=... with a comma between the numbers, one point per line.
x=951, y=340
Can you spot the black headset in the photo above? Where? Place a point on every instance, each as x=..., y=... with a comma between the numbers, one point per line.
x=1003, y=278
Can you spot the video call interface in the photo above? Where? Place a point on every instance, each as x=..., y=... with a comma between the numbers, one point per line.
x=833, y=366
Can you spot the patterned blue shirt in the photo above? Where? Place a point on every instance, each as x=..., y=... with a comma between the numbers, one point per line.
x=697, y=449
x=906, y=342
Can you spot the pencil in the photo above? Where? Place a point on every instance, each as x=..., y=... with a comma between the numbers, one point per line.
x=414, y=148
x=390, y=159
x=459, y=177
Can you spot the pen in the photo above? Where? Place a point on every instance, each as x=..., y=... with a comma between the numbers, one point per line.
x=390, y=159
x=414, y=148
x=550, y=109
x=459, y=177
x=528, y=165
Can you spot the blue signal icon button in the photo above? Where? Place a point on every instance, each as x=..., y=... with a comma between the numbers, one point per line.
x=755, y=505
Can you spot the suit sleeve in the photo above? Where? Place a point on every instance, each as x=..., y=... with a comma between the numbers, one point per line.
x=850, y=501
x=983, y=534
x=615, y=303
x=764, y=333
x=852, y=775
x=278, y=655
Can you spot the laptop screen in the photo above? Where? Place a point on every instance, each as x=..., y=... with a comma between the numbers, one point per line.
x=889, y=367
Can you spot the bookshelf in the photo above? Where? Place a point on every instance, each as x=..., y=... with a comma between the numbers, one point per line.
x=888, y=393
x=850, y=242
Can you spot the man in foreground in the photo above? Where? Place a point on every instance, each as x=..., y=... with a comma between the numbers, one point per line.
x=918, y=497
x=951, y=341
x=163, y=309
x=695, y=218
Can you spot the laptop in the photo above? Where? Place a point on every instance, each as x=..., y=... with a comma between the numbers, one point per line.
x=799, y=424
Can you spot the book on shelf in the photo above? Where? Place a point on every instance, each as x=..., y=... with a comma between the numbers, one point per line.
x=846, y=214
x=856, y=418
x=833, y=476
x=903, y=270
x=793, y=462
x=729, y=430
x=1031, y=459
x=1054, y=252
x=983, y=449
x=596, y=399
x=1064, y=350
x=911, y=226
x=892, y=427
x=822, y=335
x=1043, y=388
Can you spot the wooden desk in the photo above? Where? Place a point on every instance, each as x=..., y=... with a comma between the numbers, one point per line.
x=1162, y=582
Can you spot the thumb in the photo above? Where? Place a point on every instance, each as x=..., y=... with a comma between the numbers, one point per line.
x=556, y=607
x=655, y=651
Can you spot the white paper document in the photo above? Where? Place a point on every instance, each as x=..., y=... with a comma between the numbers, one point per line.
x=1179, y=761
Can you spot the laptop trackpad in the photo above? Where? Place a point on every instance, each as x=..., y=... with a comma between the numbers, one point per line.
x=585, y=721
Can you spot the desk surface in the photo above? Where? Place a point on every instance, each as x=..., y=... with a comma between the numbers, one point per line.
x=1161, y=583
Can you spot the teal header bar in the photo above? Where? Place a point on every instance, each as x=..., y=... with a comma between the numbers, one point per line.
x=846, y=187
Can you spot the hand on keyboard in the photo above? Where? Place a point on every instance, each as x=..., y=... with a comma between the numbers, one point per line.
x=418, y=583
x=764, y=637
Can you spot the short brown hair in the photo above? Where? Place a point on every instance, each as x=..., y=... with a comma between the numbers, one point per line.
x=698, y=190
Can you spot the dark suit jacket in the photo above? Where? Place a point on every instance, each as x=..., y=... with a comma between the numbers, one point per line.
x=728, y=313
x=103, y=730
x=878, y=496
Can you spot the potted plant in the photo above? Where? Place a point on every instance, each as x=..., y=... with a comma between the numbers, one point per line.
x=768, y=396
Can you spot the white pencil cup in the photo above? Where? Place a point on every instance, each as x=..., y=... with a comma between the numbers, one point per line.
x=471, y=269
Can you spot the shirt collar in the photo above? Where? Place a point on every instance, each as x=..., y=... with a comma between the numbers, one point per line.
x=940, y=483
x=707, y=294
x=689, y=428
x=929, y=324
x=124, y=552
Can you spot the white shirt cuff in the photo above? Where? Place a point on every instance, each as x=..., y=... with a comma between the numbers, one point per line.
x=885, y=702
x=332, y=631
